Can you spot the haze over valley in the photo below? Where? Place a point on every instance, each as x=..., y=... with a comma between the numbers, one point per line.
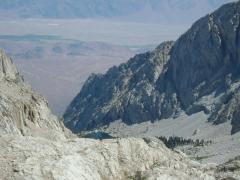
x=58, y=68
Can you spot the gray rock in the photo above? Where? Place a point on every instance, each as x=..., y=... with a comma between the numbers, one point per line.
x=126, y=92
x=129, y=158
x=204, y=66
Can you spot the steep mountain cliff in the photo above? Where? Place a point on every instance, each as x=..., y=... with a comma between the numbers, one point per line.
x=204, y=66
x=126, y=92
x=22, y=111
x=200, y=72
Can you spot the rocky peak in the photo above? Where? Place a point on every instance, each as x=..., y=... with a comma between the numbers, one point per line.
x=23, y=111
x=204, y=66
x=204, y=56
x=7, y=69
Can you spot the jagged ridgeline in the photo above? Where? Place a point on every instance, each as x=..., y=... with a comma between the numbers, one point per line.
x=199, y=72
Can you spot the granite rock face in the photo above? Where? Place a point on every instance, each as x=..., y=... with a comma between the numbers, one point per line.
x=199, y=72
x=22, y=111
x=204, y=66
x=126, y=92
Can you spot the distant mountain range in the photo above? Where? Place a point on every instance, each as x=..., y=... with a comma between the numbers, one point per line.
x=127, y=9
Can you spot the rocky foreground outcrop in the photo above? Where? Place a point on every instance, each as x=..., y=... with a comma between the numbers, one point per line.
x=38, y=158
x=199, y=72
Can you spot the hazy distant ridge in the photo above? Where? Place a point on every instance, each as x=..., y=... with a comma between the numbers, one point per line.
x=134, y=9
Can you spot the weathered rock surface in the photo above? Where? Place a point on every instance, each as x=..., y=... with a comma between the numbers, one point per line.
x=22, y=111
x=39, y=158
x=200, y=72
